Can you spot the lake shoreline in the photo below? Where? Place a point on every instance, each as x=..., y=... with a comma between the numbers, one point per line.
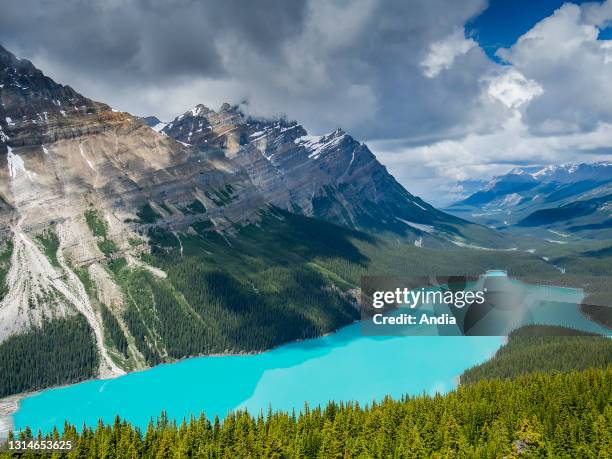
x=252, y=382
x=10, y=404
x=8, y=407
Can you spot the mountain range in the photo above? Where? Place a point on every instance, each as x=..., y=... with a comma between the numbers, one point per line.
x=576, y=198
x=217, y=232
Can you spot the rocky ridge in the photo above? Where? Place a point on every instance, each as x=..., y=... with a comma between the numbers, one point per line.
x=333, y=176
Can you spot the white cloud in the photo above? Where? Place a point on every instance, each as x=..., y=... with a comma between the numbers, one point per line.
x=442, y=53
x=551, y=102
x=598, y=14
x=512, y=89
x=563, y=54
x=482, y=156
x=607, y=49
x=326, y=63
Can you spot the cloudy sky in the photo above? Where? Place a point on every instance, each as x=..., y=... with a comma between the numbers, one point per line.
x=441, y=90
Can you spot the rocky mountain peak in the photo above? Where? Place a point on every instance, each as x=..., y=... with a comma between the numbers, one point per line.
x=35, y=109
x=266, y=161
x=330, y=176
x=570, y=197
x=553, y=173
x=9, y=60
x=226, y=107
x=318, y=145
x=200, y=110
x=571, y=172
x=150, y=121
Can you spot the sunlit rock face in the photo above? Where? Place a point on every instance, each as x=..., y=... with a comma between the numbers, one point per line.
x=333, y=176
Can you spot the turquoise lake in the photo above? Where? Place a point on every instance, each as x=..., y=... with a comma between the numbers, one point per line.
x=346, y=365
x=341, y=366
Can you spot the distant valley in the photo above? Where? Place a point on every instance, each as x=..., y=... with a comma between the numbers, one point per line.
x=571, y=198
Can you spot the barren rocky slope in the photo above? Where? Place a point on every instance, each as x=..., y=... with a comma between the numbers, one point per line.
x=333, y=177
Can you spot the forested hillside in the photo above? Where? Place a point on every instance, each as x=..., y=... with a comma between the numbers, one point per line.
x=540, y=415
x=288, y=277
x=529, y=350
x=242, y=293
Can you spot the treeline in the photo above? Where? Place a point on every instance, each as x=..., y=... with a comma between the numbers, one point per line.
x=6, y=250
x=112, y=327
x=540, y=415
x=543, y=348
x=62, y=351
x=284, y=279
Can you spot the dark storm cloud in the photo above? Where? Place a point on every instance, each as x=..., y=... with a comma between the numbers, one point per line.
x=144, y=39
x=355, y=64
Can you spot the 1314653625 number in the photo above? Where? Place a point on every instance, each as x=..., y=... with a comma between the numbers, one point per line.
x=39, y=445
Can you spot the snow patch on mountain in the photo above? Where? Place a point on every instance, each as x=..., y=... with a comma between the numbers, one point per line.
x=419, y=226
x=566, y=172
x=478, y=247
x=412, y=201
x=89, y=163
x=549, y=170
x=159, y=126
x=257, y=134
x=559, y=233
x=317, y=145
x=199, y=110
x=16, y=165
x=510, y=200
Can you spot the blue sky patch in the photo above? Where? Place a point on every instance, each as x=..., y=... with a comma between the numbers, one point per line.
x=504, y=21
